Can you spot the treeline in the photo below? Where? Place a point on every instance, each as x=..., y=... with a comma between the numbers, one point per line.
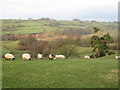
x=61, y=46
x=72, y=37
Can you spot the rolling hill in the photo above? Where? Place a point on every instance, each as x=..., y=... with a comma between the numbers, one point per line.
x=39, y=26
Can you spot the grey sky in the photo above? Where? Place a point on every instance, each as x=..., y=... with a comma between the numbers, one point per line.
x=101, y=10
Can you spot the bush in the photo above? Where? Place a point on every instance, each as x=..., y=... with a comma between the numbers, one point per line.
x=111, y=52
x=69, y=50
x=34, y=46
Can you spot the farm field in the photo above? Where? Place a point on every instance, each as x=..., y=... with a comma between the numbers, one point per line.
x=74, y=72
x=69, y=73
x=41, y=26
x=70, y=38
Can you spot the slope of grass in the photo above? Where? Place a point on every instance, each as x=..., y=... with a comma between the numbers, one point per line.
x=74, y=72
x=70, y=73
x=37, y=26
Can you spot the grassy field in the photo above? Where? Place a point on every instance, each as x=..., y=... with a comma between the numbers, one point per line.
x=70, y=73
x=38, y=26
x=74, y=72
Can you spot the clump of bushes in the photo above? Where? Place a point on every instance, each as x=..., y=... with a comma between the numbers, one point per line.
x=34, y=46
x=111, y=52
x=67, y=50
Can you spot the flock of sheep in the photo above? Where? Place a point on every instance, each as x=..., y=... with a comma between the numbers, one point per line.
x=27, y=56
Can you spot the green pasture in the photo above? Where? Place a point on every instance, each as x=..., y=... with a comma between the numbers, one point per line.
x=38, y=26
x=74, y=72
x=69, y=73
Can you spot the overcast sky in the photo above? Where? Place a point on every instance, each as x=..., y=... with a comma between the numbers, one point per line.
x=101, y=10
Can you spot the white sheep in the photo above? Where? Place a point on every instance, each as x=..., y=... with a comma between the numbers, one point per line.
x=60, y=56
x=87, y=57
x=26, y=56
x=39, y=56
x=117, y=57
x=9, y=56
x=51, y=57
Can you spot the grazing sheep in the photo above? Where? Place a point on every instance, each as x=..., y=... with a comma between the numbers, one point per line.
x=59, y=56
x=87, y=57
x=26, y=56
x=39, y=56
x=117, y=57
x=9, y=56
x=51, y=57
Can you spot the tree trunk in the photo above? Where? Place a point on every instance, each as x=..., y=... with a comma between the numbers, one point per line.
x=98, y=52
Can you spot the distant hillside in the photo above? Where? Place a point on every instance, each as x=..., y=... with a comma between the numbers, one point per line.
x=47, y=29
x=37, y=26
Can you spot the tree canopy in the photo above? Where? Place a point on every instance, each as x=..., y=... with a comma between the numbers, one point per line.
x=100, y=43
